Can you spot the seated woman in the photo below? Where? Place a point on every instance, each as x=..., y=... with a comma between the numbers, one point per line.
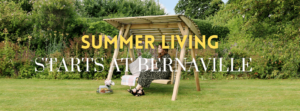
x=146, y=77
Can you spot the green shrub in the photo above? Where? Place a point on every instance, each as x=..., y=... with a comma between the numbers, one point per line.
x=260, y=31
x=102, y=27
x=26, y=71
x=206, y=28
x=100, y=8
x=15, y=20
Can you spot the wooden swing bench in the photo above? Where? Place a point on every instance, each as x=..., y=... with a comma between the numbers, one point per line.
x=157, y=26
x=159, y=81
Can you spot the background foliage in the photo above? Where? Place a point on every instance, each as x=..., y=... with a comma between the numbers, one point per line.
x=100, y=8
x=266, y=30
x=198, y=9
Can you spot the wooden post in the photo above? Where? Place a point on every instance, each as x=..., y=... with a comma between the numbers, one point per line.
x=182, y=52
x=196, y=74
x=131, y=53
x=112, y=64
x=172, y=77
x=126, y=35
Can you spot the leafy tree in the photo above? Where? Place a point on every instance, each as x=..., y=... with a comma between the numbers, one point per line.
x=265, y=30
x=54, y=22
x=231, y=1
x=25, y=4
x=54, y=14
x=102, y=8
x=198, y=9
x=12, y=17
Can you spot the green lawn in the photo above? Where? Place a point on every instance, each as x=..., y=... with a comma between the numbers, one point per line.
x=38, y=94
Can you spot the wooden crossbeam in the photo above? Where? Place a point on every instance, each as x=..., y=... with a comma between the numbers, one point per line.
x=156, y=25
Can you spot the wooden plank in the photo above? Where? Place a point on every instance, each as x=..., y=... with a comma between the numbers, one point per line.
x=148, y=17
x=126, y=35
x=153, y=26
x=157, y=33
x=162, y=81
x=154, y=31
x=145, y=32
x=162, y=29
x=114, y=23
x=170, y=18
x=178, y=73
x=108, y=53
x=143, y=29
x=196, y=74
x=168, y=29
x=141, y=21
x=165, y=21
x=131, y=53
x=180, y=28
x=149, y=21
x=156, y=25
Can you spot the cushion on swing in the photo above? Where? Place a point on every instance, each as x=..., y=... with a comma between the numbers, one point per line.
x=134, y=66
x=128, y=80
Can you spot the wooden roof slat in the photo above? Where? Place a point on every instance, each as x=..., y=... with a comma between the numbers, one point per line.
x=191, y=25
x=153, y=26
x=159, y=34
x=162, y=29
x=165, y=16
x=142, y=32
x=162, y=24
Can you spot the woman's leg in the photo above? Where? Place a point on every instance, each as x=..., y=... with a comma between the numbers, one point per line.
x=138, y=87
x=146, y=78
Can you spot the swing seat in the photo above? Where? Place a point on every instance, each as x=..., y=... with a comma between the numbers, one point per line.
x=162, y=81
x=172, y=77
x=159, y=81
x=165, y=81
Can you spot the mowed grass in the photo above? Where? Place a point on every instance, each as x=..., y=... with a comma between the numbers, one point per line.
x=38, y=94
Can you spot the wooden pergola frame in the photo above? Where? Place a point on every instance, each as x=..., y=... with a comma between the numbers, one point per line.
x=157, y=26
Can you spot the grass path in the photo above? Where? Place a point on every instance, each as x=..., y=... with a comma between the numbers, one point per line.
x=38, y=94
